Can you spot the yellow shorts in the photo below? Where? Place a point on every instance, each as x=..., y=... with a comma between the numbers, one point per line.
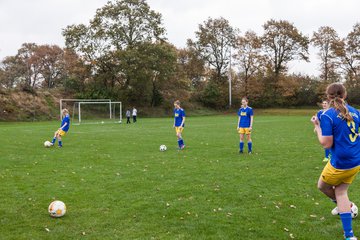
x=246, y=131
x=61, y=132
x=179, y=129
x=334, y=177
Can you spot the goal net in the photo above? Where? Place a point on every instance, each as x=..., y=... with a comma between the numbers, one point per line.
x=95, y=111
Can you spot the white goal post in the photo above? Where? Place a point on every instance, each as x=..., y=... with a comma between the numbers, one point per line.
x=113, y=109
x=63, y=100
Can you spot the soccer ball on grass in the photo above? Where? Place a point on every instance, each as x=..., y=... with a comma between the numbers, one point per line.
x=162, y=148
x=47, y=144
x=354, y=211
x=57, y=209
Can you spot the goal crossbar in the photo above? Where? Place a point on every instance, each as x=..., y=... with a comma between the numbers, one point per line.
x=104, y=102
x=79, y=100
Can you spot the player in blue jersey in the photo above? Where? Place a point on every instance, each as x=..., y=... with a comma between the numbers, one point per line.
x=179, y=123
x=339, y=131
x=64, y=128
x=325, y=106
x=245, y=123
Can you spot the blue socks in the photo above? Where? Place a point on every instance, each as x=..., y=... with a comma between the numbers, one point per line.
x=53, y=141
x=346, y=222
x=180, y=142
x=60, y=143
x=241, y=146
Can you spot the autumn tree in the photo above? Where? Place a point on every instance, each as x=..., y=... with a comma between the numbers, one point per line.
x=31, y=62
x=13, y=72
x=191, y=66
x=214, y=39
x=51, y=62
x=149, y=66
x=326, y=39
x=75, y=72
x=348, y=50
x=117, y=27
x=282, y=43
x=249, y=58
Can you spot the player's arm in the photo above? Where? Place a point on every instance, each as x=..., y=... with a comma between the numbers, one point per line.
x=237, y=127
x=325, y=141
x=182, y=123
x=62, y=127
x=251, y=121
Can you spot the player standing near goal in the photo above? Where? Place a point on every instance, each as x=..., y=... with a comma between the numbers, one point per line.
x=339, y=131
x=179, y=123
x=245, y=123
x=128, y=114
x=134, y=114
x=325, y=106
x=64, y=127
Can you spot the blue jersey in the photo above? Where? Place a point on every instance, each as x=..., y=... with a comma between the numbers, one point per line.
x=245, y=117
x=66, y=119
x=319, y=113
x=179, y=114
x=345, y=151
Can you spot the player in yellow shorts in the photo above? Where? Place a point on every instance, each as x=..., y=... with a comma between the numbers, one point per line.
x=64, y=128
x=245, y=123
x=179, y=123
x=246, y=131
x=338, y=131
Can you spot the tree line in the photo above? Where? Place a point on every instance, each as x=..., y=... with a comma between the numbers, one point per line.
x=123, y=54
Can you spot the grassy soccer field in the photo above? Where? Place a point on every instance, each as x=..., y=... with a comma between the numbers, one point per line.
x=118, y=185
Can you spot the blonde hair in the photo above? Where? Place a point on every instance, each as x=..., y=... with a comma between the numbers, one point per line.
x=64, y=111
x=177, y=102
x=336, y=94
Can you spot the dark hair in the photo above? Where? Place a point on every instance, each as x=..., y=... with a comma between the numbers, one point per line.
x=336, y=94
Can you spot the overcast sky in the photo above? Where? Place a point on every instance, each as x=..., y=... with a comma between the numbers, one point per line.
x=41, y=21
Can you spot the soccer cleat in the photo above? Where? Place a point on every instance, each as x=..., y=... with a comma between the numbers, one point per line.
x=335, y=211
x=250, y=152
x=351, y=238
x=240, y=151
x=325, y=159
x=182, y=147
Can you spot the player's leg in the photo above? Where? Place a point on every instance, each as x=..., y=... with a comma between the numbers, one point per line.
x=55, y=137
x=180, y=139
x=249, y=141
x=327, y=189
x=344, y=208
x=59, y=140
x=241, y=145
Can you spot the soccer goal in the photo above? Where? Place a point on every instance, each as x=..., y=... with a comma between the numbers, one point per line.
x=93, y=111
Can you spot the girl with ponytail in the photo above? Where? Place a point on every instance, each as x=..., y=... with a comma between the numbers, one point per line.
x=338, y=131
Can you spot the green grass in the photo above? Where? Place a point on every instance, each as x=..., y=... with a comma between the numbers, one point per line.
x=118, y=185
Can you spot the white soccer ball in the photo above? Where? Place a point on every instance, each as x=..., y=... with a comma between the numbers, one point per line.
x=57, y=209
x=47, y=144
x=163, y=148
x=354, y=211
